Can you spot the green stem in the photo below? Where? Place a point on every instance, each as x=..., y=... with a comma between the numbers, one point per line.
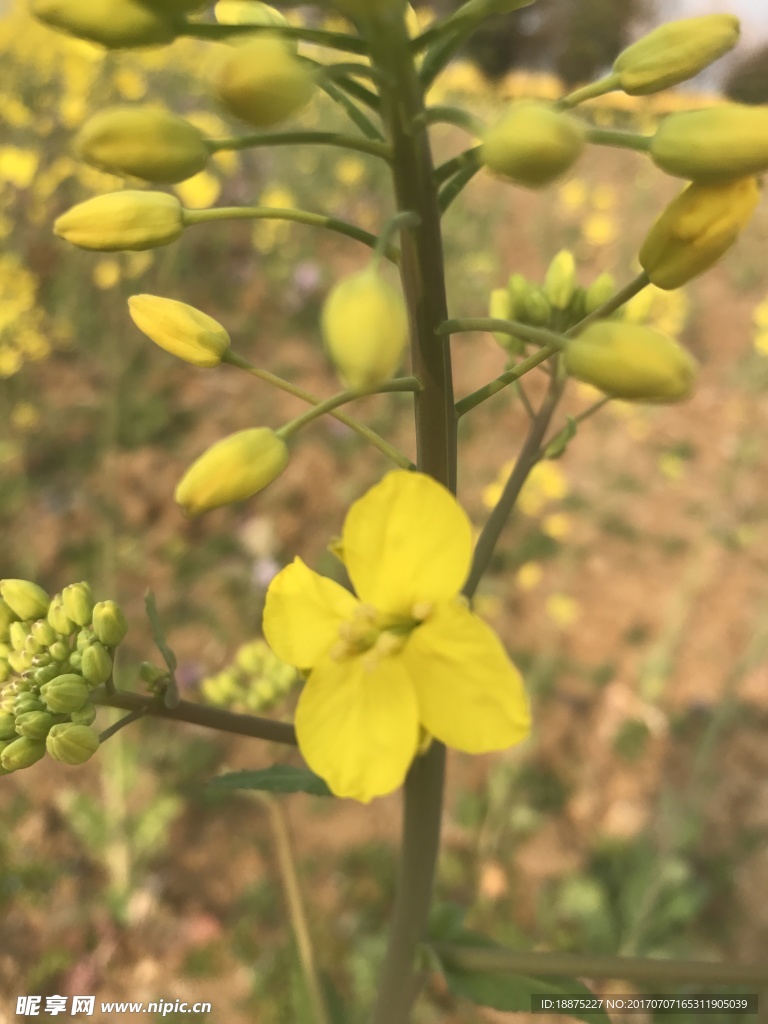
x=334, y=40
x=469, y=158
x=301, y=138
x=318, y=220
x=456, y=116
x=343, y=398
x=359, y=428
x=504, y=380
x=535, y=335
x=588, y=92
x=623, y=140
x=353, y=112
x=480, y=958
x=629, y=291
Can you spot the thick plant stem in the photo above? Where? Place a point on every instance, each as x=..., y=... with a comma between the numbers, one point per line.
x=422, y=273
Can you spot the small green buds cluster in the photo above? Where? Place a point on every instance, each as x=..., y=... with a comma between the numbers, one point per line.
x=180, y=329
x=233, y=469
x=713, y=145
x=532, y=144
x=365, y=327
x=116, y=24
x=631, y=362
x=53, y=653
x=126, y=220
x=143, y=141
x=675, y=52
x=254, y=682
x=263, y=83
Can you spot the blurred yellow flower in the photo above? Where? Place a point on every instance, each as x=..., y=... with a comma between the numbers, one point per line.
x=106, y=274
x=563, y=610
x=760, y=342
x=545, y=483
x=529, y=575
x=350, y=170
x=572, y=195
x=672, y=466
x=557, y=525
x=25, y=416
x=200, y=191
x=600, y=229
x=18, y=166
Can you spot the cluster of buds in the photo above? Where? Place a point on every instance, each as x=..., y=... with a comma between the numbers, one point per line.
x=254, y=683
x=53, y=654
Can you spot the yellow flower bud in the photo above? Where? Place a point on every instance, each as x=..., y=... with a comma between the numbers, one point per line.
x=365, y=327
x=180, y=329
x=263, y=83
x=123, y=220
x=35, y=725
x=64, y=694
x=532, y=144
x=77, y=602
x=599, y=292
x=675, y=52
x=729, y=141
x=72, y=744
x=696, y=229
x=25, y=599
x=233, y=469
x=112, y=23
x=631, y=362
x=143, y=141
x=109, y=623
x=96, y=664
x=21, y=753
x=560, y=282
x=500, y=308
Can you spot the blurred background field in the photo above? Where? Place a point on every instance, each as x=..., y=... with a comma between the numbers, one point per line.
x=631, y=587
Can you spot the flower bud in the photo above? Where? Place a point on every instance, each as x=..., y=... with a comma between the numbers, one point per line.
x=235, y=468
x=7, y=616
x=247, y=12
x=728, y=141
x=535, y=306
x=180, y=329
x=26, y=599
x=64, y=694
x=560, y=282
x=72, y=744
x=696, y=229
x=20, y=662
x=85, y=716
x=5, y=669
x=26, y=703
x=85, y=637
x=35, y=725
x=599, y=292
x=109, y=624
x=153, y=674
x=17, y=634
x=115, y=24
x=365, y=327
x=59, y=651
x=500, y=308
x=7, y=726
x=123, y=220
x=631, y=362
x=47, y=673
x=22, y=753
x=263, y=83
x=144, y=141
x=43, y=632
x=59, y=619
x=532, y=144
x=675, y=52
x=75, y=661
x=77, y=600
x=96, y=665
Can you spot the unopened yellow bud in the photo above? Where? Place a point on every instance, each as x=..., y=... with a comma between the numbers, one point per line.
x=675, y=52
x=77, y=602
x=500, y=308
x=96, y=664
x=64, y=694
x=233, y=469
x=263, y=83
x=112, y=23
x=631, y=362
x=143, y=141
x=22, y=753
x=7, y=616
x=71, y=743
x=599, y=292
x=25, y=599
x=123, y=220
x=180, y=329
x=532, y=144
x=560, y=282
x=365, y=327
x=729, y=141
x=696, y=229
x=109, y=623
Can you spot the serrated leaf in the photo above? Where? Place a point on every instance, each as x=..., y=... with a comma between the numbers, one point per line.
x=280, y=778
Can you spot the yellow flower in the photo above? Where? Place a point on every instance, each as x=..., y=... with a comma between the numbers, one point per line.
x=532, y=144
x=405, y=654
x=563, y=610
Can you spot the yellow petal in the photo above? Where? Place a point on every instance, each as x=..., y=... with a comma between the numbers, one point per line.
x=357, y=725
x=302, y=614
x=407, y=542
x=470, y=694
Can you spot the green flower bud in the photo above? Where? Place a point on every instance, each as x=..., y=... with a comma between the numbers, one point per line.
x=85, y=716
x=25, y=599
x=696, y=229
x=365, y=327
x=59, y=651
x=500, y=308
x=65, y=694
x=180, y=329
x=25, y=704
x=5, y=670
x=152, y=674
x=675, y=52
x=85, y=637
x=75, y=661
x=728, y=141
x=58, y=618
x=599, y=292
x=72, y=744
x=109, y=623
x=21, y=753
x=631, y=362
x=7, y=616
x=263, y=83
x=233, y=469
x=7, y=726
x=123, y=220
x=96, y=665
x=20, y=662
x=47, y=673
x=532, y=144
x=115, y=24
x=143, y=141
x=18, y=635
x=32, y=646
x=536, y=308
x=77, y=600
x=43, y=632
x=35, y=725
x=560, y=282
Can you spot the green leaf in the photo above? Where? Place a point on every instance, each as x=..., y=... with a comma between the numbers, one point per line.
x=280, y=778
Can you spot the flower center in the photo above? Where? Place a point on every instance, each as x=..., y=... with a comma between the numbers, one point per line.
x=366, y=633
